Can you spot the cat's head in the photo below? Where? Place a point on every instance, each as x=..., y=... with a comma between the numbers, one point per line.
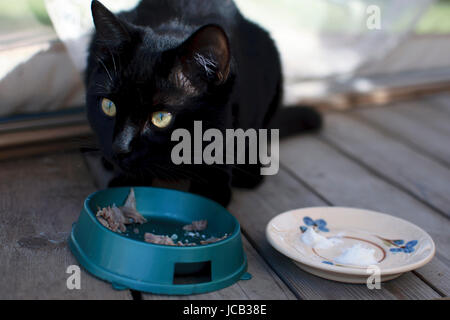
x=143, y=84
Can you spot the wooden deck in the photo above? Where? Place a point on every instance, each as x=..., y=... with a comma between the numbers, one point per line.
x=394, y=159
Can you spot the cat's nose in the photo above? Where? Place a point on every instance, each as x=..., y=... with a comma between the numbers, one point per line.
x=122, y=143
x=121, y=149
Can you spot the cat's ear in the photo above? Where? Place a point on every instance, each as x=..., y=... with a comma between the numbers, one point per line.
x=207, y=51
x=110, y=30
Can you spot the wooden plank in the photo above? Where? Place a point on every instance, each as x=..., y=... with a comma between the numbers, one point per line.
x=40, y=149
x=40, y=199
x=437, y=275
x=43, y=122
x=441, y=102
x=345, y=183
x=414, y=172
x=13, y=139
x=265, y=284
x=280, y=193
x=410, y=130
x=425, y=112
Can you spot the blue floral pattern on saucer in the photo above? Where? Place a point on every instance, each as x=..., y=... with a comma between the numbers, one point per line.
x=407, y=248
x=318, y=224
x=400, y=246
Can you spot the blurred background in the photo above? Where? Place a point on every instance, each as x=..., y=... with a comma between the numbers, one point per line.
x=336, y=54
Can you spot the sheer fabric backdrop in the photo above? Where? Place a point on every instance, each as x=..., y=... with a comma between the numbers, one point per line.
x=318, y=40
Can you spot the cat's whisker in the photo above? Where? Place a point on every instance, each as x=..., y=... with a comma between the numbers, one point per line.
x=101, y=86
x=114, y=62
x=104, y=66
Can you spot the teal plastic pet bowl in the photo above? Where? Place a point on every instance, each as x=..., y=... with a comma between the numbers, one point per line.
x=128, y=262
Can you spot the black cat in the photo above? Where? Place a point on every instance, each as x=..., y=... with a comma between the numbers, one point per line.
x=168, y=63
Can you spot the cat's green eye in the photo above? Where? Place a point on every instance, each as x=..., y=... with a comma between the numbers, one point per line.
x=109, y=107
x=161, y=119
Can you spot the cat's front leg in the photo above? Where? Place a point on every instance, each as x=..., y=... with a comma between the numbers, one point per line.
x=213, y=183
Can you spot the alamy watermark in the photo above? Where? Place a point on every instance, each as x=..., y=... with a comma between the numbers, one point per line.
x=373, y=21
x=374, y=279
x=233, y=147
x=73, y=282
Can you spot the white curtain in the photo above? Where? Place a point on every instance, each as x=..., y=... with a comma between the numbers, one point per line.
x=317, y=39
x=323, y=38
x=44, y=75
x=73, y=23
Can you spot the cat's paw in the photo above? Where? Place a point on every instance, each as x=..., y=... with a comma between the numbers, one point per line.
x=118, y=182
x=220, y=195
x=224, y=198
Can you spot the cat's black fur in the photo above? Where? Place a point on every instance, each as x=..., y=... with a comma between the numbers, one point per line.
x=147, y=60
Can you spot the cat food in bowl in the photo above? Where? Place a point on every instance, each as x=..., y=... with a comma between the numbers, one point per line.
x=159, y=241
